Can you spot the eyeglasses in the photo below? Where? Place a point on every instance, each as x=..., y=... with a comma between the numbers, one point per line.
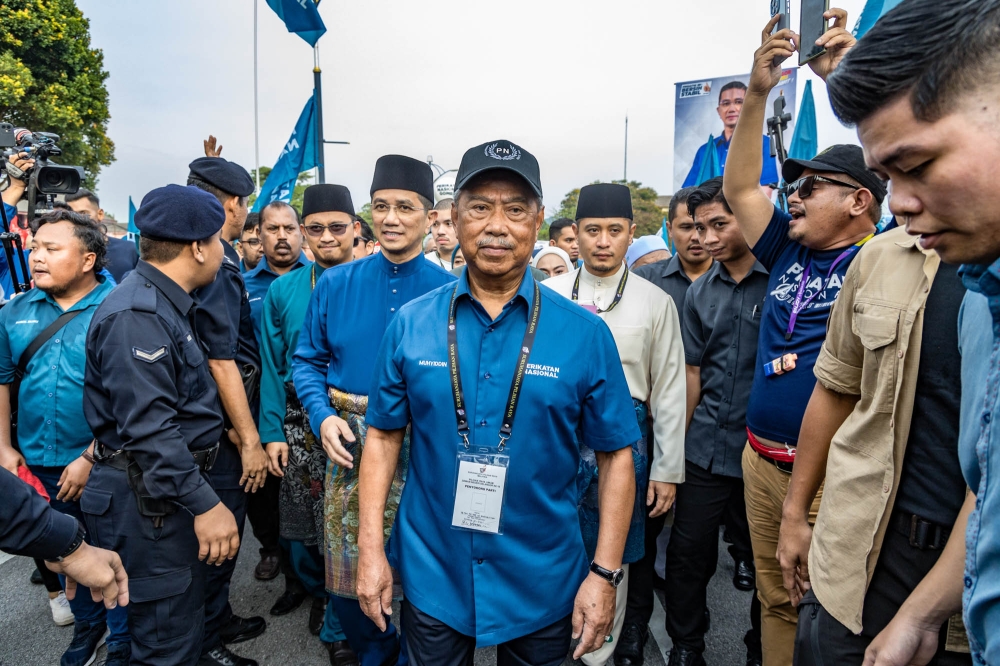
x=252, y=242
x=317, y=230
x=361, y=240
x=805, y=186
x=403, y=210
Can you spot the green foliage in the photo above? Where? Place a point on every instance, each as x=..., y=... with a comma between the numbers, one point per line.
x=646, y=214
x=51, y=80
x=366, y=213
x=305, y=180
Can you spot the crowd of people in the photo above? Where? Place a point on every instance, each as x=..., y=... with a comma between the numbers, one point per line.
x=820, y=381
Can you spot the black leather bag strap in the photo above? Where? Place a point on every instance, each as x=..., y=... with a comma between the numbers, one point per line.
x=41, y=339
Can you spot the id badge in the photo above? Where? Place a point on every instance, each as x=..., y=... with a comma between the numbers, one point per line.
x=479, y=492
x=589, y=306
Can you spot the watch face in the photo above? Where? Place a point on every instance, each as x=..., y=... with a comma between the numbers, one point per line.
x=619, y=576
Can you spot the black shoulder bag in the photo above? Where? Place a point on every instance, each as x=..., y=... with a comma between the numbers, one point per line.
x=22, y=366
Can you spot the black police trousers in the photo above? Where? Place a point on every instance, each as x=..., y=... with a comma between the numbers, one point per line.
x=693, y=555
x=820, y=639
x=166, y=611
x=225, y=479
x=430, y=642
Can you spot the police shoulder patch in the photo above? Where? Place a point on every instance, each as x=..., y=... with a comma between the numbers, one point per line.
x=149, y=356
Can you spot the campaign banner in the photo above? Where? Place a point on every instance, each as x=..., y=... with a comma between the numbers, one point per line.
x=706, y=108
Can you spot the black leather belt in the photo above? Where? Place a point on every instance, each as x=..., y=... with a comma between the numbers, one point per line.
x=922, y=534
x=119, y=459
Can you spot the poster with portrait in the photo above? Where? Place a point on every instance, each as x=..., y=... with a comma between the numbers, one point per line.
x=711, y=107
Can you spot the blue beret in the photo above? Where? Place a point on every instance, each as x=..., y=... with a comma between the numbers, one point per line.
x=179, y=214
x=227, y=176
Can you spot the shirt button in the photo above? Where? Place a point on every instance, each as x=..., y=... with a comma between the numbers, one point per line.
x=394, y=291
x=483, y=422
x=885, y=488
x=53, y=367
x=968, y=582
x=486, y=376
x=736, y=316
x=50, y=395
x=49, y=422
x=734, y=346
x=900, y=353
x=986, y=416
x=489, y=330
x=392, y=309
x=479, y=561
x=58, y=340
x=729, y=374
x=148, y=285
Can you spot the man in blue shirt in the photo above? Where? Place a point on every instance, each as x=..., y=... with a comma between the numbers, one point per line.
x=936, y=142
x=834, y=204
x=281, y=240
x=54, y=439
x=731, y=98
x=349, y=311
x=481, y=565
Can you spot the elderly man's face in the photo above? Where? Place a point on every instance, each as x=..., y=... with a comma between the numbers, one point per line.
x=498, y=217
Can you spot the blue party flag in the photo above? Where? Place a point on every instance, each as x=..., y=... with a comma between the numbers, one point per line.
x=805, y=141
x=301, y=17
x=298, y=155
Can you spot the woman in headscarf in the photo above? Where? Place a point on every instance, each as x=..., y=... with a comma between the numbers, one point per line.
x=552, y=261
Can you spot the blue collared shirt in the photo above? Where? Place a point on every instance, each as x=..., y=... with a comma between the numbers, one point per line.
x=485, y=585
x=257, y=281
x=979, y=451
x=348, y=313
x=768, y=174
x=52, y=430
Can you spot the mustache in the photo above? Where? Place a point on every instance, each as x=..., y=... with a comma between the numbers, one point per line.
x=283, y=244
x=495, y=241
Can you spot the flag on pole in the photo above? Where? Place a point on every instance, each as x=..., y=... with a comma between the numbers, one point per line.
x=133, y=231
x=805, y=141
x=710, y=163
x=301, y=17
x=298, y=155
x=873, y=11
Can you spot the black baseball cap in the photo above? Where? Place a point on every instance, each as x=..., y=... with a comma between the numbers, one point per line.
x=500, y=154
x=840, y=158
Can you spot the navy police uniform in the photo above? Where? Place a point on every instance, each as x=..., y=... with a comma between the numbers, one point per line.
x=225, y=326
x=154, y=409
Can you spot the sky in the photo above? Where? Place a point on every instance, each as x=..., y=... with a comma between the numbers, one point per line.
x=427, y=78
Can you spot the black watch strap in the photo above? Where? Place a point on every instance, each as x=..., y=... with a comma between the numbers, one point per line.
x=615, y=577
x=81, y=534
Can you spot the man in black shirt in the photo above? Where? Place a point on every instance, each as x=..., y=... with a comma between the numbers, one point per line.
x=720, y=322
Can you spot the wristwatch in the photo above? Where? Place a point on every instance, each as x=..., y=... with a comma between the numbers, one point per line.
x=614, y=577
x=81, y=533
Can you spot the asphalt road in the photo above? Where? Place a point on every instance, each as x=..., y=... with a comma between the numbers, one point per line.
x=29, y=638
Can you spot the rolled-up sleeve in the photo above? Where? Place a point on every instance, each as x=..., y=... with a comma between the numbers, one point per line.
x=838, y=367
x=607, y=419
x=388, y=405
x=143, y=399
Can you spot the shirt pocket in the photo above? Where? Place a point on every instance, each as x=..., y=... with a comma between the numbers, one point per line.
x=629, y=340
x=195, y=371
x=877, y=327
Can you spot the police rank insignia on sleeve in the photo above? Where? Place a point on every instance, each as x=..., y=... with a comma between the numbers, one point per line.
x=149, y=356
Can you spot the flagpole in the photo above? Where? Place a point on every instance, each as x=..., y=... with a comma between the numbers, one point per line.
x=256, y=119
x=625, y=175
x=318, y=92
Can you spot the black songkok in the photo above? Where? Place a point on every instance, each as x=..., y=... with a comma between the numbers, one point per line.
x=326, y=198
x=228, y=176
x=179, y=214
x=397, y=172
x=604, y=200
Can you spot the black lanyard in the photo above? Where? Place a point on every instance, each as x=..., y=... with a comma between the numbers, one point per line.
x=516, y=383
x=618, y=293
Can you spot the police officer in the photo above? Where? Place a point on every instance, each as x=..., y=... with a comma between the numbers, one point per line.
x=154, y=410
x=225, y=326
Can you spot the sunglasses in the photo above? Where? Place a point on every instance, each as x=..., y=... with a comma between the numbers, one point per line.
x=317, y=230
x=805, y=186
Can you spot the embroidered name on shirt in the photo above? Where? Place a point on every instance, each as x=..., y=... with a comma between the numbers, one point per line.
x=26, y=321
x=434, y=364
x=542, y=371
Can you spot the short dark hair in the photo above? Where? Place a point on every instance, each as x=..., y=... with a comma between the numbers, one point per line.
x=83, y=194
x=557, y=225
x=280, y=205
x=680, y=196
x=708, y=192
x=732, y=85
x=221, y=195
x=60, y=205
x=444, y=204
x=83, y=228
x=159, y=251
x=933, y=51
x=366, y=230
x=253, y=221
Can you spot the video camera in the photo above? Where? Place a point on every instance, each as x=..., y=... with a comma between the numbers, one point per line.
x=45, y=179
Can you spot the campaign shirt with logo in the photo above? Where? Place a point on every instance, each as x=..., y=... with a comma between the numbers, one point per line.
x=778, y=402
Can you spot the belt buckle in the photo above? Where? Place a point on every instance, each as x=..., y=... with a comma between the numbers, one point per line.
x=920, y=530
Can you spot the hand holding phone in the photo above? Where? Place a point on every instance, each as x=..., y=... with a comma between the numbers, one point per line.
x=782, y=7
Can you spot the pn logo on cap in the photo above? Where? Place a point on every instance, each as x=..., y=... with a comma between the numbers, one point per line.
x=504, y=152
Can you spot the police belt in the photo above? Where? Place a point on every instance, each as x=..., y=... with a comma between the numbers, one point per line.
x=119, y=459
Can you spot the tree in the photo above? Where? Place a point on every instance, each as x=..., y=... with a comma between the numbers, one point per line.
x=366, y=213
x=305, y=180
x=51, y=80
x=646, y=214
